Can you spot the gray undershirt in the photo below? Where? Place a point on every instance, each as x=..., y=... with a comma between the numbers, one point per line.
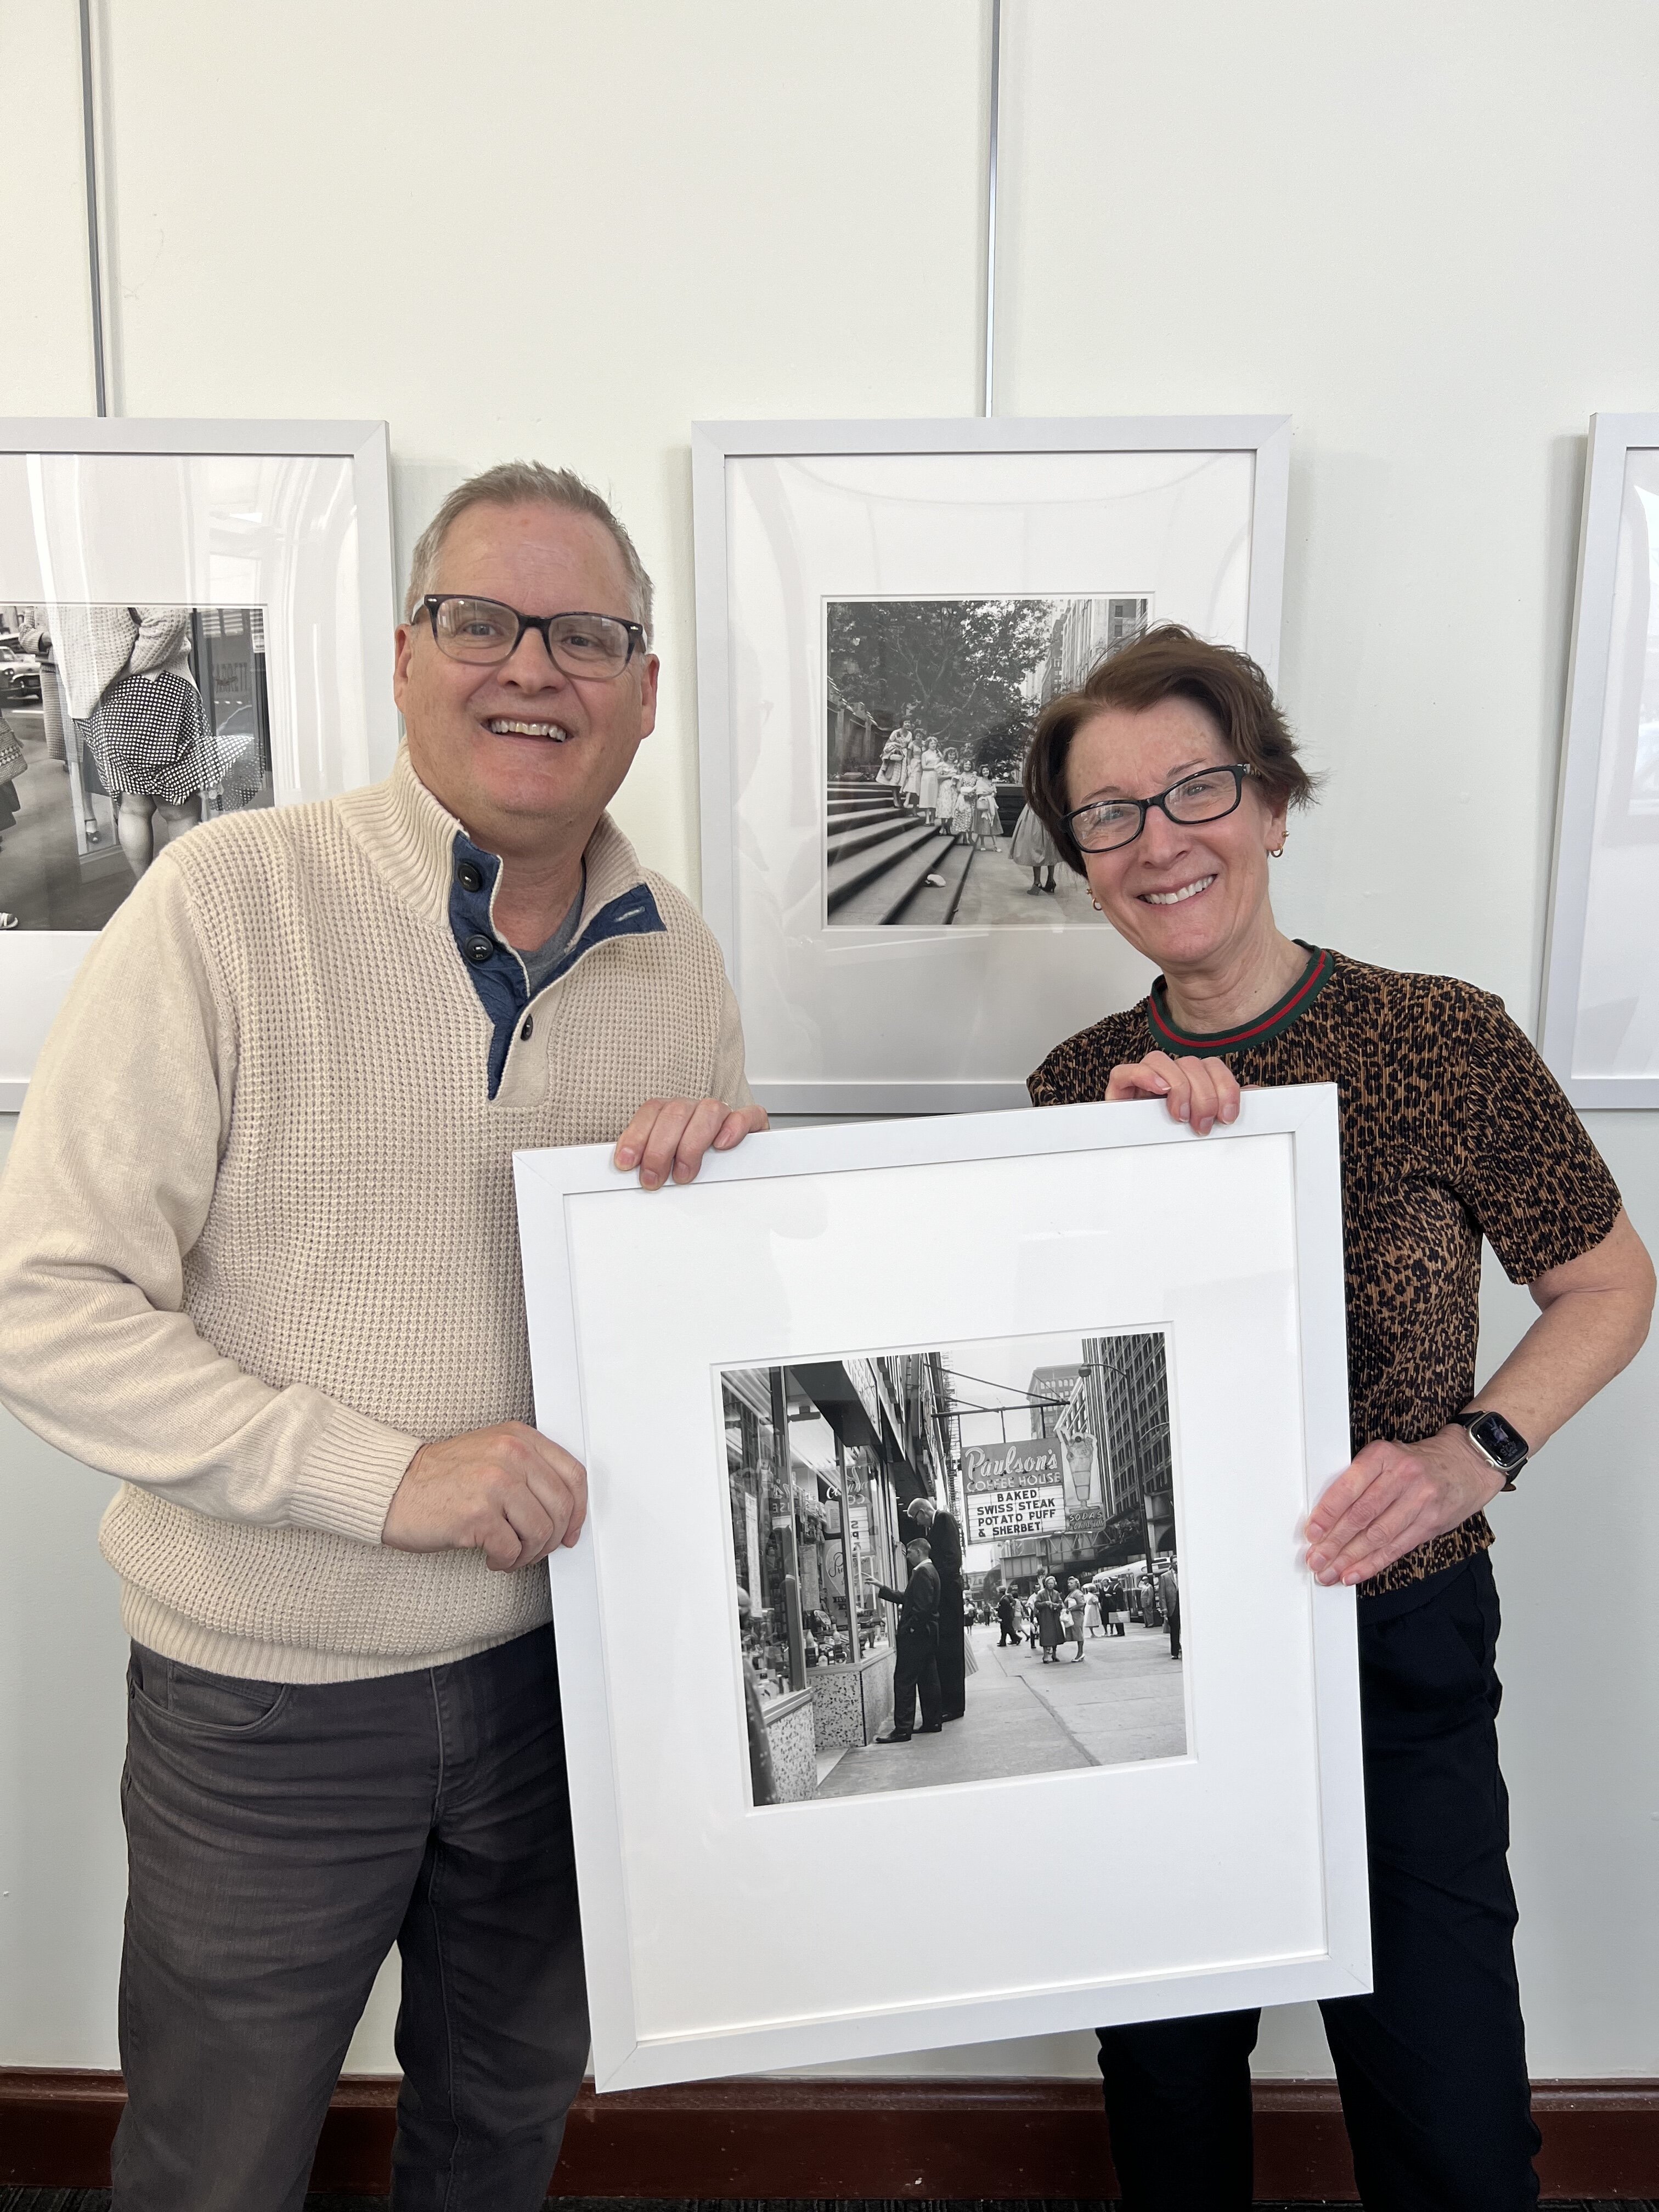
x=540, y=963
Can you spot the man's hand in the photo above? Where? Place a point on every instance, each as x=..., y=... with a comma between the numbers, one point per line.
x=505, y=1491
x=1394, y=1498
x=1200, y=1092
x=669, y=1137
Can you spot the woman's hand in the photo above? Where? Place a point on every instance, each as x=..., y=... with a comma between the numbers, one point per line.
x=1394, y=1498
x=1200, y=1092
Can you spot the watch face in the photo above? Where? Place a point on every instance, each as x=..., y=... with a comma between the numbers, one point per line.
x=1498, y=1440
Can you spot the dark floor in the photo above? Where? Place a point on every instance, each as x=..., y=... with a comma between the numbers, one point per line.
x=97, y=2200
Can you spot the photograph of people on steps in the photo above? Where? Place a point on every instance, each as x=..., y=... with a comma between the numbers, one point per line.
x=931, y=705
x=902, y=1522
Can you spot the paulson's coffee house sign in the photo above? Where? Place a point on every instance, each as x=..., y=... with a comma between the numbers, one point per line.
x=1013, y=1490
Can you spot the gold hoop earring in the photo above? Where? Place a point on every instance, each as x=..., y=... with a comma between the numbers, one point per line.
x=1096, y=905
x=1274, y=851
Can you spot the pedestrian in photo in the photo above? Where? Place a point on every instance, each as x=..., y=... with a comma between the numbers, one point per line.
x=944, y=1550
x=1167, y=782
x=1092, y=1609
x=13, y=762
x=139, y=715
x=1169, y=1594
x=258, y=1259
x=962, y=814
x=891, y=770
x=927, y=781
x=1032, y=847
x=1007, y=1621
x=1049, y=1629
x=1117, y=1608
x=915, y=1647
x=945, y=801
x=987, y=822
x=910, y=781
x=1076, y=1607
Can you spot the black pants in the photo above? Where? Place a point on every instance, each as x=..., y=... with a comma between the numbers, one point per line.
x=281, y=1838
x=952, y=1658
x=1172, y=1621
x=915, y=1667
x=1432, y=2065
x=1009, y=1635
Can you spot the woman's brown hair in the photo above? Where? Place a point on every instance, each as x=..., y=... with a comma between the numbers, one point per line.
x=1167, y=662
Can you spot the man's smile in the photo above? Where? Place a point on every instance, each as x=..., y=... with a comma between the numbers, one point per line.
x=500, y=725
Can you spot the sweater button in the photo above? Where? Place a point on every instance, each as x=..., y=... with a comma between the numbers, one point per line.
x=469, y=875
x=529, y=1024
x=478, y=949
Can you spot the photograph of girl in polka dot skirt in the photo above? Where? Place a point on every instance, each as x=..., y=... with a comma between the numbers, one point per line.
x=120, y=728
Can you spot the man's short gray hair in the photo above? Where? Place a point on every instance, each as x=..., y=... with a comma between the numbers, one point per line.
x=522, y=484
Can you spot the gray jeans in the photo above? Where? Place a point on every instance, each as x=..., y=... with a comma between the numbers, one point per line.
x=281, y=1837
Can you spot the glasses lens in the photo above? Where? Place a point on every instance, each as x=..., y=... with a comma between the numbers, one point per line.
x=589, y=645
x=1202, y=798
x=1110, y=822
x=476, y=629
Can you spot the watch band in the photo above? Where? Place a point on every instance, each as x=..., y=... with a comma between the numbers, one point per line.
x=1509, y=1469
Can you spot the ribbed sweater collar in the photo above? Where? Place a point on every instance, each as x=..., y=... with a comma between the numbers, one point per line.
x=409, y=839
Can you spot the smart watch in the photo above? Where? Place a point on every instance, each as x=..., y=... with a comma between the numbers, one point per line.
x=1498, y=1444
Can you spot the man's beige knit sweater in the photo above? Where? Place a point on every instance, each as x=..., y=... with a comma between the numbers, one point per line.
x=257, y=1233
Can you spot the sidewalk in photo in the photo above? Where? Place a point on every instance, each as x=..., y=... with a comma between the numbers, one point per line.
x=997, y=890
x=1124, y=1702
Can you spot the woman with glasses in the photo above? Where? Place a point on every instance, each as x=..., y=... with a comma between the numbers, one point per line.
x=1167, y=781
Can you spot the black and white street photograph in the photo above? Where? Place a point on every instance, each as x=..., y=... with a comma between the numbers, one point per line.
x=931, y=707
x=955, y=1565
x=120, y=728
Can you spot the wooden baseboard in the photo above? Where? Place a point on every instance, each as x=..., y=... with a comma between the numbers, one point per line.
x=876, y=2138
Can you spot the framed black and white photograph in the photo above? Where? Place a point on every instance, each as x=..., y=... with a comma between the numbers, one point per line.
x=195, y=618
x=1599, y=1031
x=946, y=1478
x=932, y=1543
x=883, y=611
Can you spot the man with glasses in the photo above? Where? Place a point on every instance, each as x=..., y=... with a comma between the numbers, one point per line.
x=260, y=1260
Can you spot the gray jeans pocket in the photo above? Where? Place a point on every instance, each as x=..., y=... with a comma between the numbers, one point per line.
x=207, y=1703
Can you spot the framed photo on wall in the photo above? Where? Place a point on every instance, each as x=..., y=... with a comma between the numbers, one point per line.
x=883, y=609
x=195, y=617
x=1101, y=1362
x=1599, y=1031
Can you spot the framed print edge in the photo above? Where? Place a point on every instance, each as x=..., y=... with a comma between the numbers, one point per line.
x=991, y=434
x=623, y=2058
x=1612, y=438
x=578, y=1628
x=1269, y=520
x=714, y=685
x=1328, y=1432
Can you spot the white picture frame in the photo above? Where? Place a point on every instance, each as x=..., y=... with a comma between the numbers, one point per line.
x=803, y=1241
x=1599, y=1029
x=289, y=519
x=796, y=520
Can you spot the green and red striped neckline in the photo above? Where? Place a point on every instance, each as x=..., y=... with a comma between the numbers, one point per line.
x=1274, y=1023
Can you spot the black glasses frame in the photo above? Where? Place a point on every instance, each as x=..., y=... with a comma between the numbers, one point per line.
x=1237, y=769
x=542, y=624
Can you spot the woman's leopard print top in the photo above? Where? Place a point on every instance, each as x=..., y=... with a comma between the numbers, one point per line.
x=1452, y=1129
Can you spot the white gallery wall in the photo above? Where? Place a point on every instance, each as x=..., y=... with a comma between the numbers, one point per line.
x=1424, y=233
